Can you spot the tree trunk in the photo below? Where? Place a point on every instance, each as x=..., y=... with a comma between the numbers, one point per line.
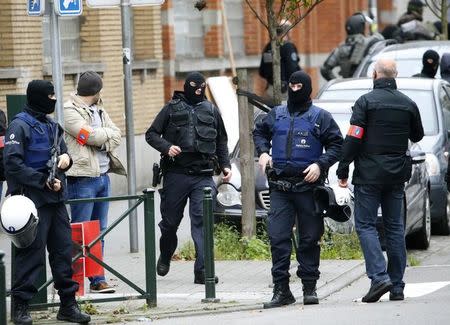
x=444, y=21
x=275, y=44
x=247, y=160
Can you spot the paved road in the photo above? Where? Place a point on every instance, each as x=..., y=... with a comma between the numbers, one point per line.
x=427, y=302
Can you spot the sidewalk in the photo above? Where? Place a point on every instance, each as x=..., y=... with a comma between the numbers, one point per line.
x=243, y=285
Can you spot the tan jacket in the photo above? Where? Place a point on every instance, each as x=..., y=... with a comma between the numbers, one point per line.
x=85, y=162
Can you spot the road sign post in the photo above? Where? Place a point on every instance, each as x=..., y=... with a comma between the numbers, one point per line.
x=68, y=7
x=36, y=7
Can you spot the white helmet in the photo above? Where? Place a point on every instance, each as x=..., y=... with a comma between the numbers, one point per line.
x=334, y=202
x=19, y=220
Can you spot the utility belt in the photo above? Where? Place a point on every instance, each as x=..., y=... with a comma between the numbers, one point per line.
x=285, y=183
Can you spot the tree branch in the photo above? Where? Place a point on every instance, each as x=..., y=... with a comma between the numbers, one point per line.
x=257, y=15
x=301, y=17
x=283, y=5
x=434, y=8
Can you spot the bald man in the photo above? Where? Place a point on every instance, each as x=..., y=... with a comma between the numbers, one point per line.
x=377, y=141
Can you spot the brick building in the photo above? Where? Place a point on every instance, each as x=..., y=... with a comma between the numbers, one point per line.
x=168, y=41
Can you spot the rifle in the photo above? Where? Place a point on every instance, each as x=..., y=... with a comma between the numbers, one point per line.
x=52, y=164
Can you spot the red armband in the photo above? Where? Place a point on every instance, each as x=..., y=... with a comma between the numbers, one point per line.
x=83, y=136
x=2, y=141
x=355, y=131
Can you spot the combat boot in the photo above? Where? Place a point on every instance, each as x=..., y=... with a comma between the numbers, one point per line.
x=309, y=293
x=21, y=314
x=282, y=296
x=69, y=311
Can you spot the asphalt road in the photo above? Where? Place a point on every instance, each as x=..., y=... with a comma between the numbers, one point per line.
x=427, y=301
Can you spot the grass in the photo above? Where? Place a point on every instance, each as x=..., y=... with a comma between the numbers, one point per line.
x=413, y=261
x=228, y=245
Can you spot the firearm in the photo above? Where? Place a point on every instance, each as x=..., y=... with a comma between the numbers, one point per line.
x=52, y=164
x=157, y=174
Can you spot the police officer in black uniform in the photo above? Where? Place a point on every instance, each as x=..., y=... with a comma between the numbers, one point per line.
x=381, y=124
x=289, y=60
x=28, y=142
x=190, y=134
x=297, y=133
x=350, y=53
x=430, y=65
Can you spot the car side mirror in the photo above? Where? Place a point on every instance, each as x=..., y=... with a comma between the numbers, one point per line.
x=418, y=156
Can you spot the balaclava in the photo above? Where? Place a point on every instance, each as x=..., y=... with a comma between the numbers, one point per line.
x=297, y=100
x=194, y=87
x=430, y=62
x=37, y=96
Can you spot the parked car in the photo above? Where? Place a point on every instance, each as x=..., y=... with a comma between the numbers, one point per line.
x=407, y=55
x=432, y=97
x=416, y=205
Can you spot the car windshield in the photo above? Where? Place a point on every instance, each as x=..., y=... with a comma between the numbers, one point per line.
x=423, y=99
x=405, y=68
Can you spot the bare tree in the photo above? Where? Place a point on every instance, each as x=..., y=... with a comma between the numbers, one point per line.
x=439, y=9
x=293, y=11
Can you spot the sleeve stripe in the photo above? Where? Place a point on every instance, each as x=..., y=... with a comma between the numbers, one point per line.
x=355, y=131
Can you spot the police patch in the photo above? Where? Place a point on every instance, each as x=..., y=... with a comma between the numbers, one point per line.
x=294, y=56
x=355, y=131
x=12, y=136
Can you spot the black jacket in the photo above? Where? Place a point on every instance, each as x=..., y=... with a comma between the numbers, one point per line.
x=26, y=180
x=2, y=143
x=185, y=161
x=382, y=122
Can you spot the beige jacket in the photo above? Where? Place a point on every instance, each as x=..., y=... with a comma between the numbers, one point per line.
x=85, y=162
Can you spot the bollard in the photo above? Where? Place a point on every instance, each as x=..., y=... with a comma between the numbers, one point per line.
x=208, y=231
x=150, y=255
x=2, y=290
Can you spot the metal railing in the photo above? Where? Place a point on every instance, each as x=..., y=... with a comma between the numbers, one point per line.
x=149, y=293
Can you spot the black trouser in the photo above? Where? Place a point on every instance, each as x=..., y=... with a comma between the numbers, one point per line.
x=285, y=209
x=54, y=232
x=174, y=194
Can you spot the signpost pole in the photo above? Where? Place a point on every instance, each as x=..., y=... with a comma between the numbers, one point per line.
x=57, y=73
x=129, y=119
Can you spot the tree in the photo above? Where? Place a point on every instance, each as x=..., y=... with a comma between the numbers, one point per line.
x=293, y=11
x=439, y=9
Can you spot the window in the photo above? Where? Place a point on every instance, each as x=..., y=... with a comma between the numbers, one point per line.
x=188, y=30
x=235, y=18
x=70, y=39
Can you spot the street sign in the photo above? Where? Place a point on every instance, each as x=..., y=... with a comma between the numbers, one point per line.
x=116, y=3
x=36, y=7
x=69, y=7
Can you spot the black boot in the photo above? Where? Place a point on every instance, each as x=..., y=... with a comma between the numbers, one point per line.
x=309, y=293
x=21, y=314
x=199, y=278
x=282, y=295
x=163, y=266
x=70, y=312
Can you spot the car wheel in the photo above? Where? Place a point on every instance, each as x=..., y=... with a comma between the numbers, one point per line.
x=421, y=238
x=443, y=226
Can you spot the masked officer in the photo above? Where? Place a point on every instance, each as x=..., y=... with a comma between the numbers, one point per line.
x=297, y=133
x=349, y=54
x=381, y=124
x=430, y=61
x=29, y=139
x=189, y=133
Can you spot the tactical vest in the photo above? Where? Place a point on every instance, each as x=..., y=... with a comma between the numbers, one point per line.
x=192, y=128
x=296, y=139
x=38, y=152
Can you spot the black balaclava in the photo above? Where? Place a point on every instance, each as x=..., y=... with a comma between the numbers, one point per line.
x=195, y=93
x=299, y=100
x=430, y=62
x=37, y=96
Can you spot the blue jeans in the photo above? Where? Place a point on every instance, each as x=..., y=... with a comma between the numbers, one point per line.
x=90, y=187
x=367, y=200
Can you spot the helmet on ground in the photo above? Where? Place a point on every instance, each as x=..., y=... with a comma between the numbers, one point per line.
x=355, y=24
x=19, y=220
x=334, y=202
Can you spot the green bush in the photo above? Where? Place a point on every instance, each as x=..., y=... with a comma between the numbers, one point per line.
x=228, y=245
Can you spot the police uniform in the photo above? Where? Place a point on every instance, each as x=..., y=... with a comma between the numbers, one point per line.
x=28, y=142
x=381, y=124
x=193, y=124
x=298, y=133
x=349, y=54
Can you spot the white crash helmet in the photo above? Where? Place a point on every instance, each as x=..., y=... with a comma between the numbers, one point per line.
x=334, y=202
x=19, y=220
x=344, y=198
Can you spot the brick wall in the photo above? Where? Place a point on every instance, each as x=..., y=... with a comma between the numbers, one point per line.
x=101, y=42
